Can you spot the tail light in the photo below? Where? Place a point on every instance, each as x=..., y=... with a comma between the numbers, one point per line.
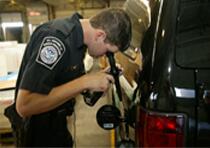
x=159, y=130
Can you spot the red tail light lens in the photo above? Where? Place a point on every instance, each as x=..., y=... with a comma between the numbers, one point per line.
x=159, y=129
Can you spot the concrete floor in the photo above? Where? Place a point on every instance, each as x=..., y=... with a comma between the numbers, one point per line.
x=82, y=124
x=84, y=127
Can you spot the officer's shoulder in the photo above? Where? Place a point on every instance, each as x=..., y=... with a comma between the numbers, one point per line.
x=63, y=26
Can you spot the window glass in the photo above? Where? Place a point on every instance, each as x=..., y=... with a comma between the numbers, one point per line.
x=194, y=53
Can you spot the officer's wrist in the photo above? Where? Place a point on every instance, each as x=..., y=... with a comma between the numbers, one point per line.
x=84, y=83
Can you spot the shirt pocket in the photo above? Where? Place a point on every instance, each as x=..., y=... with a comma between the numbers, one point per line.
x=70, y=73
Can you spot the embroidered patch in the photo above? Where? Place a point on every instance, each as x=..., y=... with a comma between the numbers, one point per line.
x=50, y=52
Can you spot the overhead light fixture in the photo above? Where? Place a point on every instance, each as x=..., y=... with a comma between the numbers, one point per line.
x=34, y=13
x=5, y=25
x=12, y=24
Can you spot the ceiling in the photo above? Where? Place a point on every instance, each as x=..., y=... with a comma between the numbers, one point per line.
x=61, y=2
x=54, y=2
x=10, y=4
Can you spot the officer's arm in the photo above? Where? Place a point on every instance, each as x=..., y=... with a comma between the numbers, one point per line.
x=29, y=103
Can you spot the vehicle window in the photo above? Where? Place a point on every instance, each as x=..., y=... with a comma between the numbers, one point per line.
x=193, y=35
x=194, y=54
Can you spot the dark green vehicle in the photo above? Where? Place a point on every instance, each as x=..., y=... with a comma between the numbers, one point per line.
x=174, y=86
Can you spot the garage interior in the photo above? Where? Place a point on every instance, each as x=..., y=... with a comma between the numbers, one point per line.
x=19, y=18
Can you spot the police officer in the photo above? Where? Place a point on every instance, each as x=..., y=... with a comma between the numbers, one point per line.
x=52, y=73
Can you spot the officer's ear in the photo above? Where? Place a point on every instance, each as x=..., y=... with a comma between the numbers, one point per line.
x=100, y=35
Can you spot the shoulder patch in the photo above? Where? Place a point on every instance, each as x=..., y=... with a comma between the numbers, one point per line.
x=50, y=52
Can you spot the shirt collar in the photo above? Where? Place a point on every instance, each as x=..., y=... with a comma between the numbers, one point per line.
x=79, y=31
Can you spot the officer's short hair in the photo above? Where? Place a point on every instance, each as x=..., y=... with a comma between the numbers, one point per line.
x=117, y=25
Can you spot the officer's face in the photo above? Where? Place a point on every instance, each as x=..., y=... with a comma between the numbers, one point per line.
x=100, y=50
x=98, y=47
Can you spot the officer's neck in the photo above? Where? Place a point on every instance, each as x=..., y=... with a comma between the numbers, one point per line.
x=88, y=31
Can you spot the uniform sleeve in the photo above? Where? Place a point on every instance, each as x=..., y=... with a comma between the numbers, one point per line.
x=44, y=59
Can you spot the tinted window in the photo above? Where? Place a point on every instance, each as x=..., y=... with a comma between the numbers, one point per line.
x=193, y=34
x=194, y=53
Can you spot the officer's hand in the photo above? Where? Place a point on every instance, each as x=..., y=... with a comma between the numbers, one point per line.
x=99, y=81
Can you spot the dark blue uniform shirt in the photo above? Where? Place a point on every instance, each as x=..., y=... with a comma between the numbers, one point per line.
x=53, y=57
